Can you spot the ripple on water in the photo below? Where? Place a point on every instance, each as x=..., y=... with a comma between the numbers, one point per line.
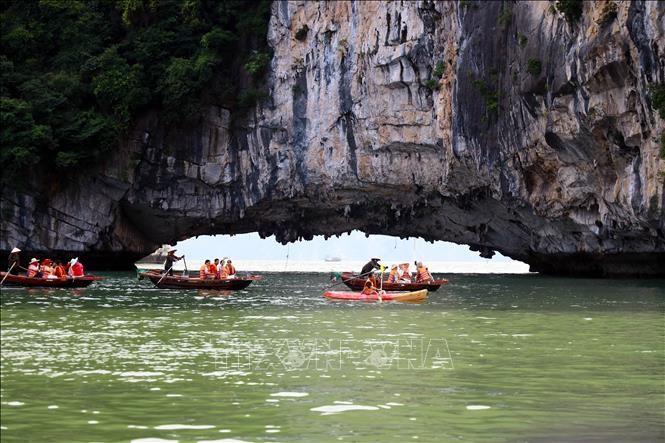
x=477, y=407
x=336, y=409
x=153, y=440
x=289, y=394
x=223, y=440
x=176, y=427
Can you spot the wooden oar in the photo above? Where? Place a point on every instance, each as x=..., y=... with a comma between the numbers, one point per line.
x=165, y=274
x=381, y=285
x=7, y=274
x=341, y=282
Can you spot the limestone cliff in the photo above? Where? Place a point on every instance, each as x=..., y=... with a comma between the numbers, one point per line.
x=495, y=124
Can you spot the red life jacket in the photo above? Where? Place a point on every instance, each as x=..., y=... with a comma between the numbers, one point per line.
x=77, y=269
x=33, y=269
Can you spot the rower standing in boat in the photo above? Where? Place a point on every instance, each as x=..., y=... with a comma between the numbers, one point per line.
x=370, y=266
x=170, y=259
x=14, y=261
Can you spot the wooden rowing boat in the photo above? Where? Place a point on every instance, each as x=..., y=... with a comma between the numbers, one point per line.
x=186, y=282
x=31, y=282
x=392, y=296
x=357, y=283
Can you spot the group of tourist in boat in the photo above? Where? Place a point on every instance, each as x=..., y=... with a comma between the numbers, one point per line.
x=218, y=274
x=398, y=273
x=209, y=270
x=46, y=268
x=217, y=270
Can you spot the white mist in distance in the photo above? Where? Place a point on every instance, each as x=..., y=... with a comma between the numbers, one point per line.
x=250, y=252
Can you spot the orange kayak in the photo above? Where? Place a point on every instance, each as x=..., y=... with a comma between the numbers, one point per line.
x=386, y=296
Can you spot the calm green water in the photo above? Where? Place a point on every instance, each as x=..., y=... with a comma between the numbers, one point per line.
x=488, y=358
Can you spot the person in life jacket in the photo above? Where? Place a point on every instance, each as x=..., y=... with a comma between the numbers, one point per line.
x=204, y=270
x=213, y=268
x=33, y=269
x=47, y=269
x=230, y=269
x=369, y=288
x=59, y=270
x=393, y=277
x=75, y=268
x=222, y=273
x=423, y=273
x=405, y=274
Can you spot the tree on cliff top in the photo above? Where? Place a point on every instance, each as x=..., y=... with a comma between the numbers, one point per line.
x=75, y=74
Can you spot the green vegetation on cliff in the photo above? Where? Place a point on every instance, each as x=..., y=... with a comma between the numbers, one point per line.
x=75, y=74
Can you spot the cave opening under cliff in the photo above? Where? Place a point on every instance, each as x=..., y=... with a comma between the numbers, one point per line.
x=347, y=251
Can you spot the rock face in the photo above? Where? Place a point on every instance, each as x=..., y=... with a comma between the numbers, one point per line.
x=497, y=125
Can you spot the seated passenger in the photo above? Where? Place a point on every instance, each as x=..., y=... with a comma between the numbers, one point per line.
x=423, y=275
x=204, y=270
x=213, y=269
x=59, y=270
x=47, y=269
x=75, y=268
x=223, y=273
x=405, y=274
x=393, y=277
x=369, y=288
x=33, y=269
x=230, y=269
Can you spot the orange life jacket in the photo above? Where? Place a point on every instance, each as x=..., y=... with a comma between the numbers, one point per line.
x=230, y=269
x=423, y=274
x=222, y=272
x=203, y=271
x=393, y=277
x=369, y=288
x=59, y=271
